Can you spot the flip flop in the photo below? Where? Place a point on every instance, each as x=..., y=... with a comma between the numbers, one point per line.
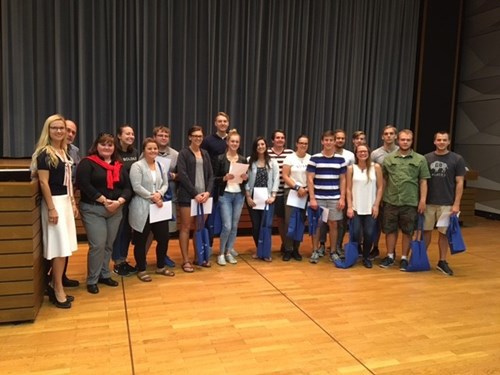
x=165, y=272
x=143, y=276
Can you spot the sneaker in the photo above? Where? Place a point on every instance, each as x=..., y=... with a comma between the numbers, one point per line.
x=314, y=257
x=287, y=255
x=131, y=269
x=234, y=253
x=221, y=260
x=386, y=262
x=169, y=262
x=444, y=268
x=374, y=253
x=340, y=252
x=403, y=265
x=230, y=259
x=121, y=270
x=334, y=257
x=321, y=251
x=367, y=263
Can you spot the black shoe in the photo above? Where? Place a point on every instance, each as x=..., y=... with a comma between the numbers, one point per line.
x=121, y=269
x=403, y=265
x=131, y=269
x=69, y=283
x=62, y=305
x=92, y=288
x=444, y=268
x=367, y=263
x=287, y=255
x=53, y=299
x=108, y=281
x=296, y=255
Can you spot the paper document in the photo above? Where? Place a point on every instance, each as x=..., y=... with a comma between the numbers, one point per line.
x=295, y=201
x=237, y=169
x=260, y=196
x=444, y=219
x=324, y=215
x=160, y=213
x=207, y=206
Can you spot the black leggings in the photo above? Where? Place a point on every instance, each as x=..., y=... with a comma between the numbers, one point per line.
x=161, y=235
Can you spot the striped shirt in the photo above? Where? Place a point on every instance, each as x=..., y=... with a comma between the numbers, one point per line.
x=280, y=158
x=327, y=171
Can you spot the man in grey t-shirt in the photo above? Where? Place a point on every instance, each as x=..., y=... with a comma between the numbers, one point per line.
x=444, y=193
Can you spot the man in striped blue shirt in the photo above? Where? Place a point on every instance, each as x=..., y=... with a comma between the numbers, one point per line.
x=326, y=174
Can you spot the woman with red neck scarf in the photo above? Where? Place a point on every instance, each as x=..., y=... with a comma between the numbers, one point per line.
x=105, y=187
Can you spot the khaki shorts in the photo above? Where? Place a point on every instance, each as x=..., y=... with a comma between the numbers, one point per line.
x=333, y=213
x=432, y=214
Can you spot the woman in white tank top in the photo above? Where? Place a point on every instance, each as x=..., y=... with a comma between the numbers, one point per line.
x=364, y=193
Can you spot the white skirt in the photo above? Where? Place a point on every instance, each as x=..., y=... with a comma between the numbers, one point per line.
x=59, y=240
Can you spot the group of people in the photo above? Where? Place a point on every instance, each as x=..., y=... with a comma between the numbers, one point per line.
x=368, y=192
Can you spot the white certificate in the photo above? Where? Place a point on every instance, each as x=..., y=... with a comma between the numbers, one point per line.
x=295, y=201
x=444, y=219
x=260, y=196
x=324, y=215
x=237, y=169
x=160, y=213
x=207, y=206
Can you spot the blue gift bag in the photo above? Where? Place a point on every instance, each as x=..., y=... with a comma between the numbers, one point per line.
x=419, y=261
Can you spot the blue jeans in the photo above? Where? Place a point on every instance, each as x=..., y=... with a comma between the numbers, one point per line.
x=230, y=212
x=364, y=225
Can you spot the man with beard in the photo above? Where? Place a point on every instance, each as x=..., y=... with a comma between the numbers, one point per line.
x=406, y=174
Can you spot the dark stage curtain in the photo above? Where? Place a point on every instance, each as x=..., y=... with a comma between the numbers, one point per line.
x=301, y=65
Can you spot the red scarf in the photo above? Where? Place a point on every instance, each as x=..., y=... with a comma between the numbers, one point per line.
x=112, y=171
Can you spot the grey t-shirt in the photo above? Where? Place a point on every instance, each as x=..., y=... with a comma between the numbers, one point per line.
x=199, y=182
x=444, y=169
x=378, y=155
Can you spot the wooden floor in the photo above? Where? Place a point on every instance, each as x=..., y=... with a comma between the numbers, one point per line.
x=274, y=318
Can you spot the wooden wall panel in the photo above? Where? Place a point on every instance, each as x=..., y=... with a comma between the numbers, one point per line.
x=21, y=253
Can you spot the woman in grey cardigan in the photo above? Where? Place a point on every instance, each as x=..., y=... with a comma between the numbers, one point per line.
x=150, y=183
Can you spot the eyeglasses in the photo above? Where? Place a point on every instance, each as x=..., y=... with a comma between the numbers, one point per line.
x=57, y=128
x=197, y=136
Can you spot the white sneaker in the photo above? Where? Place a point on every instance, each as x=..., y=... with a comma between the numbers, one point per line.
x=221, y=261
x=231, y=259
x=233, y=252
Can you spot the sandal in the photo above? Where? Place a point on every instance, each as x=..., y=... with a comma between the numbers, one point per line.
x=254, y=256
x=143, y=276
x=267, y=259
x=187, y=267
x=165, y=272
x=206, y=264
